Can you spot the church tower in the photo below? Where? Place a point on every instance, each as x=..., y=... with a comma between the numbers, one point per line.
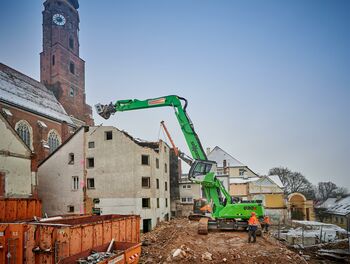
x=61, y=69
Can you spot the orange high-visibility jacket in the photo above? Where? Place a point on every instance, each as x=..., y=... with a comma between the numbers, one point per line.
x=267, y=220
x=253, y=221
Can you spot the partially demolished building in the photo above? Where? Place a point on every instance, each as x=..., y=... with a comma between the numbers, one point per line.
x=103, y=170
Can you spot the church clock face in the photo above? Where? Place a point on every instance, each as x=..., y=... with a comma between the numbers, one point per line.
x=59, y=19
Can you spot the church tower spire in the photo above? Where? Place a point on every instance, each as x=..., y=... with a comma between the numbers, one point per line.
x=61, y=68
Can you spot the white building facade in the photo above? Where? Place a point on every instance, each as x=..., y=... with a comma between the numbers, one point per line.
x=103, y=170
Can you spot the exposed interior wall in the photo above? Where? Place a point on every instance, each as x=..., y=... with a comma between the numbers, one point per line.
x=15, y=163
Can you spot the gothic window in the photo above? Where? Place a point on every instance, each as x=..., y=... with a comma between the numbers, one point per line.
x=53, y=140
x=24, y=131
x=71, y=67
x=71, y=92
x=71, y=43
x=53, y=59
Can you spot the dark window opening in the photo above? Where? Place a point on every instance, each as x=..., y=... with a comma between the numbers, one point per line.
x=71, y=92
x=146, y=225
x=166, y=186
x=165, y=168
x=71, y=43
x=91, y=183
x=146, y=182
x=146, y=202
x=91, y=144
x=53, y=59
x=72, y=68
x=166, y=202
x=108, y=135
x=157, y=163
x=71, y=158
x=157, y=202
x=164, y=148
x=145, y=160
x=70, y=209
x=157, y=182
x=90, y=162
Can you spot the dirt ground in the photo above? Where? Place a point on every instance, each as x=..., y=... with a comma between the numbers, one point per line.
x=177, y=241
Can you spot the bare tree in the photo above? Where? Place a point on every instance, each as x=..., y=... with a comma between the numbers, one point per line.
x=329, y=189
x=294, y=182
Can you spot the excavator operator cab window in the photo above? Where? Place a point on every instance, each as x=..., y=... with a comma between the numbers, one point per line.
x=200, y=168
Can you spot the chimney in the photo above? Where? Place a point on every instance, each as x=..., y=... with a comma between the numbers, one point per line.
x=208, y=151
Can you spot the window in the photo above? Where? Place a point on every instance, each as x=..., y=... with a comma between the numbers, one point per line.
x=165, y=168
x=186, y=199
x=157, y=183
x=146, y=182
x=145, y=160
x=183, y=200
x=241, y=172
x=53, y=140
x=53, y=59
x=91, y=144
x=71, y=158
x=166, y=186
x=157, y=202
x=90, y=183
x=186, y=186
x=71, y=42
x=164, y=148
x=71, y=92
x=166, y=202
x=23, y=131
x=146, y=202
x=108, y=135
x=72, y=67
x=75, y=183
x=70, y=209
x=157, y=163
x=90, y=162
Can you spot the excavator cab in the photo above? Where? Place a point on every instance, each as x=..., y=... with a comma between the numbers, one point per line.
x=199, y=169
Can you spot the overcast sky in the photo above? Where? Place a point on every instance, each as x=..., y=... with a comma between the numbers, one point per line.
x=267, y=81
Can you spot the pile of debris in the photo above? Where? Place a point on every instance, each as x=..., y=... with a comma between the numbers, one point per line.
x=177, y=241
x=309, y=233
x=96, y=257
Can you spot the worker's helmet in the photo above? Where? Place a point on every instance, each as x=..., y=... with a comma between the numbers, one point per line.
x=253, y=214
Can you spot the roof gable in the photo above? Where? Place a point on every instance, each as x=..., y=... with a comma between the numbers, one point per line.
x=219, y=155
x=24, y=92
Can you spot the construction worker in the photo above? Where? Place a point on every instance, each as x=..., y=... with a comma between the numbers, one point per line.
x=266, y=223
x=253, y=224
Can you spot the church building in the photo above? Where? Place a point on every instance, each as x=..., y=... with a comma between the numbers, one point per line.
x=46, y=113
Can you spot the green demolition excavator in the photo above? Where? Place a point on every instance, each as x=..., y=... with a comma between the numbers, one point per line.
x=226, y=213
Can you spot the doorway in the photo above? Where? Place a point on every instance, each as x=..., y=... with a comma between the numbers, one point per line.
x=146, y=225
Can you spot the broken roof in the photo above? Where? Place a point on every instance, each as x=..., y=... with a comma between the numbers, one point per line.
x=341, y=207
x=219, y=155
x=24, y=92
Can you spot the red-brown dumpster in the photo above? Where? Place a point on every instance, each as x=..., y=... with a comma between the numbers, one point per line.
x=52, y=241
x=17, y=209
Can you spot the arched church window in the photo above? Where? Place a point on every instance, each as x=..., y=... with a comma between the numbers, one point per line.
x=24, y=131
x=53, y=140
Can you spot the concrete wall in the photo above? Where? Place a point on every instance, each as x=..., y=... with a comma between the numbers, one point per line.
x=118, y=175
x=55, y=178
x=15, y=163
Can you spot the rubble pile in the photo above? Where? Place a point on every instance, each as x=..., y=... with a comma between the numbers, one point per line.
x=96, y=257
x=177, y=241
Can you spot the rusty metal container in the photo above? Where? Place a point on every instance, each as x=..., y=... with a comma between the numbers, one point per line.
x=52, y=241
x=127, y=253
x=17, y=209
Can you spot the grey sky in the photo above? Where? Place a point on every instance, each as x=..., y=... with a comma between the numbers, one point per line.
x=267, y=81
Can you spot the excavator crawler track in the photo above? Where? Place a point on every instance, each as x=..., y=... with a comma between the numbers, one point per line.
x=203, y=226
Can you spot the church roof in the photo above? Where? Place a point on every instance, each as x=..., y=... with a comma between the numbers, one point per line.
x=219, y=155
x=26, y=93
